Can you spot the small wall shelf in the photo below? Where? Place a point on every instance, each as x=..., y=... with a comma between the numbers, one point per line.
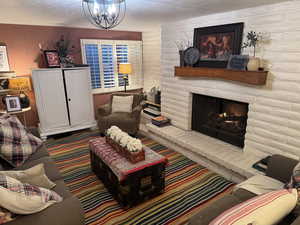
x=248, y=77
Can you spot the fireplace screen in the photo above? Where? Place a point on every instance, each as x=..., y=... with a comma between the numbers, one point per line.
x=220, y=118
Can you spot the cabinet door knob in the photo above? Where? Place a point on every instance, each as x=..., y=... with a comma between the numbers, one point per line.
x=69, y=99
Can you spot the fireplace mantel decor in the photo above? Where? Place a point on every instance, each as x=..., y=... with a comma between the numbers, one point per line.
x=247, y=77
x=217, y=43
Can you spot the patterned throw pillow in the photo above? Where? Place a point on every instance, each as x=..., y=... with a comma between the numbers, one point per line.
x=6, y=216
x=295, y=183
x=16, y=144
x=35, y=175
x=253, y=211
x=295, y=178
x=22, y=198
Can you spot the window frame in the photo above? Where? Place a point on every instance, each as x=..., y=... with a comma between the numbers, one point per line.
x=135, y=82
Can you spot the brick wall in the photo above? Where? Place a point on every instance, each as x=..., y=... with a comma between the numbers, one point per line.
x=151, y=58
x=274, y=110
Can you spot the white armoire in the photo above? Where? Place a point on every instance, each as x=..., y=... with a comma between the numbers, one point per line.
x=64, y=99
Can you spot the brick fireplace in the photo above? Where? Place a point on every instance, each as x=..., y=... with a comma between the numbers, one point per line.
x=220, y=118
x=273, y=125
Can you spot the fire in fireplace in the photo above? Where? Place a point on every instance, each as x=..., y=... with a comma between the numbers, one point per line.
x=220, y=118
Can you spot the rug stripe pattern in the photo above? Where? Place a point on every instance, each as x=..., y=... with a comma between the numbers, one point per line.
x=190, y=187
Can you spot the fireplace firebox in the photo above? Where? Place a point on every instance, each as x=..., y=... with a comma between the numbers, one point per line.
x=220, y=118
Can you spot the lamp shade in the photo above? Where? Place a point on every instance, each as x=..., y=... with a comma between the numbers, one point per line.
x=20, y=84
x=125, y=68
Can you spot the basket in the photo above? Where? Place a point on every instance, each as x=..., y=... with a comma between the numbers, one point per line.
x=132, y=157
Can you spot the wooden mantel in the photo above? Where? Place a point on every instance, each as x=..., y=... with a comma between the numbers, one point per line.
x=248, y=77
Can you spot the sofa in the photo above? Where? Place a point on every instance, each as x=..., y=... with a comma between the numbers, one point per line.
x=278, y=167
x=67, y=212
x=128, y=122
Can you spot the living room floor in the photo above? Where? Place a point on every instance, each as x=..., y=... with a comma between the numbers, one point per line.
x=190, y=187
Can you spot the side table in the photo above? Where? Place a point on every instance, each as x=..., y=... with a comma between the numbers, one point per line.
x=23, y=112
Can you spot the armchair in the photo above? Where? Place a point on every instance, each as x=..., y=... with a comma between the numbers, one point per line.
x=128, y=122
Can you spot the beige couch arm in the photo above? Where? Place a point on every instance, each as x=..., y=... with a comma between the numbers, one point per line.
x=281, y=168
x=104, y=110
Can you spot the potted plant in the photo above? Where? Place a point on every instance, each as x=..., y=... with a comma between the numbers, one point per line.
x=252, y=40
x=65, y=51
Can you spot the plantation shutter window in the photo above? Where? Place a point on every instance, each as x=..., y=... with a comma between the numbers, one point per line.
x=104, y=57
x=92, y=58
x=122, y=57
x=108, y=66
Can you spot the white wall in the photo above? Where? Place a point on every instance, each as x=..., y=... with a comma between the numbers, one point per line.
x=151, y=58
x=274, y=110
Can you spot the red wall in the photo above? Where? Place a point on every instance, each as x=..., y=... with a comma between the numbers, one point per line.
x=23, y=51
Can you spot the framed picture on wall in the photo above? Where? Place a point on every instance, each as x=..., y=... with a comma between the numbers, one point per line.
x=52, y=58
x=13, y=103
x=217, y=43
x=4, y=65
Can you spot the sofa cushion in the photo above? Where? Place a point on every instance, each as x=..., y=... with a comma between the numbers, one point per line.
x=34, y=176
x=61, y=189
x=122, y=104
x=214, y=210
x=243, y=194
x=40, y=153
x=119, y=119
x=253, y=211
x=67, y=212
x=16, y=144
x=5, y=164
x=22, y=198
x=6, y=216
x=260, y=184
x=281, y=168
x=50, y=168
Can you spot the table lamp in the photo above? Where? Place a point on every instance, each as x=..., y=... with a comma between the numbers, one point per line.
x=21, y=84
x=125, y=69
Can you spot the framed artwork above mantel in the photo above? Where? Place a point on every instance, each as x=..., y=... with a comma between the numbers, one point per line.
x=217, y=43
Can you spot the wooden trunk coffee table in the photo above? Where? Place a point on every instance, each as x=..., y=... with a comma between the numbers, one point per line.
x=128, y=183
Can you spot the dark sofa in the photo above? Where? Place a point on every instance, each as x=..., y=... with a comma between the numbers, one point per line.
x=67, y=212
x=279, y=167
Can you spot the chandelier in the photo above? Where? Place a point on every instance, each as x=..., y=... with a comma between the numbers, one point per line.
x=105, y=14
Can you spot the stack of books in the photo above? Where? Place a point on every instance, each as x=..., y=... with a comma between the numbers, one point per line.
x=152, y=109
x=160, y=121
x=7, y=74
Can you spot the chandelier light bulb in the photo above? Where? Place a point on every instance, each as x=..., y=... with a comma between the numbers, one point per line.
x=104, y=14
x=96, y=8
x=112, y=9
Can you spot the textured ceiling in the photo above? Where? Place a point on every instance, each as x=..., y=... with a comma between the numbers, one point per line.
x=140, y=13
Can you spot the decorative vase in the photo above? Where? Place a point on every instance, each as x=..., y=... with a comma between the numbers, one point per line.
x=253, y=64
x=24, y=101
x=181, y=55
x=4, y=84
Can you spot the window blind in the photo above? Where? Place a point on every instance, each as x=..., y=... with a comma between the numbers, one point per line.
x=92, y=58
x=104, y=57
x=108, y=66
x=122, y=57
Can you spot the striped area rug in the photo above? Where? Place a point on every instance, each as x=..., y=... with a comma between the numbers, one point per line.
x=190, y=187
